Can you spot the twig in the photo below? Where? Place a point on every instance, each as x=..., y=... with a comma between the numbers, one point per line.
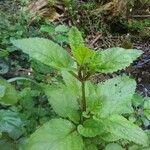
x=95, y=40
x=140, y=16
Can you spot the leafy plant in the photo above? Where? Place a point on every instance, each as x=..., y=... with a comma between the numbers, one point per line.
x=141, y=114
x=58, y=33
x=88, y=114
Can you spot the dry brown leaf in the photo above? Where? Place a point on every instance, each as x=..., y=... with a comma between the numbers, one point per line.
x=43, y=9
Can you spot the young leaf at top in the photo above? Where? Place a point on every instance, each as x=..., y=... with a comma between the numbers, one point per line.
x=46, y=52
x=115, y=95
x=57, y=134
x=124, y=129
x=75, y=39
x=81, y=53
x=113, y=59
x=63, y=102
x=8, y=94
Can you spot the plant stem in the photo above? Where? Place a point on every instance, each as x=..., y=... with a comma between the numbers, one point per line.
x=83, y=96
x=76, y=76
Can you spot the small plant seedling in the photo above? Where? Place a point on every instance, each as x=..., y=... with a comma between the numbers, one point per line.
x=88, y=114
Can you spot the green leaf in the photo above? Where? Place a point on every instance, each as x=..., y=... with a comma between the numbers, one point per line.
x=63, y=103
x=6, y=144
x=47, y=28
x=115, y=95
x=89, y=145
x=124, y=129
x=147, y=103
x=72, y=84
x=94, y=102
x=147, y=108
x=147, y=113
x=90, y=128
x=10, y=96
x=57, y=134
x=46, y=52
x=75, y=39
x=81, y=53
x=113, y=59
x=11, y=123
x=3, y=53
x=2, y=91
x=113, y=146
x=62, y=28
x=137, y=100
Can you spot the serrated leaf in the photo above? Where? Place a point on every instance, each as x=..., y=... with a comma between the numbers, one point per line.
x=113, y=59
x=10, y=96
x=11, y=123
x=57, y=134
x=90, y=128
x=63, y=103
x=81, y=53
x=94, y=103
x=75, y=39
x=113, y=146
x=124, y=129
x=46, y=52
x=115, y=95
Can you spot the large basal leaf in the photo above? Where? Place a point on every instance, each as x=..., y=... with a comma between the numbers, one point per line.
x=45, y=51
x=57, y=134
x=63, y=103
x=81, y=53
x=8, y=94
x=11, y=123
x=115, y=95
x=113, y=59
x=124, y=129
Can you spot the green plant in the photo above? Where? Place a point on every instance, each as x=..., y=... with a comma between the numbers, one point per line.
x=57, y=33
x=88, y=114
x=141, y=114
